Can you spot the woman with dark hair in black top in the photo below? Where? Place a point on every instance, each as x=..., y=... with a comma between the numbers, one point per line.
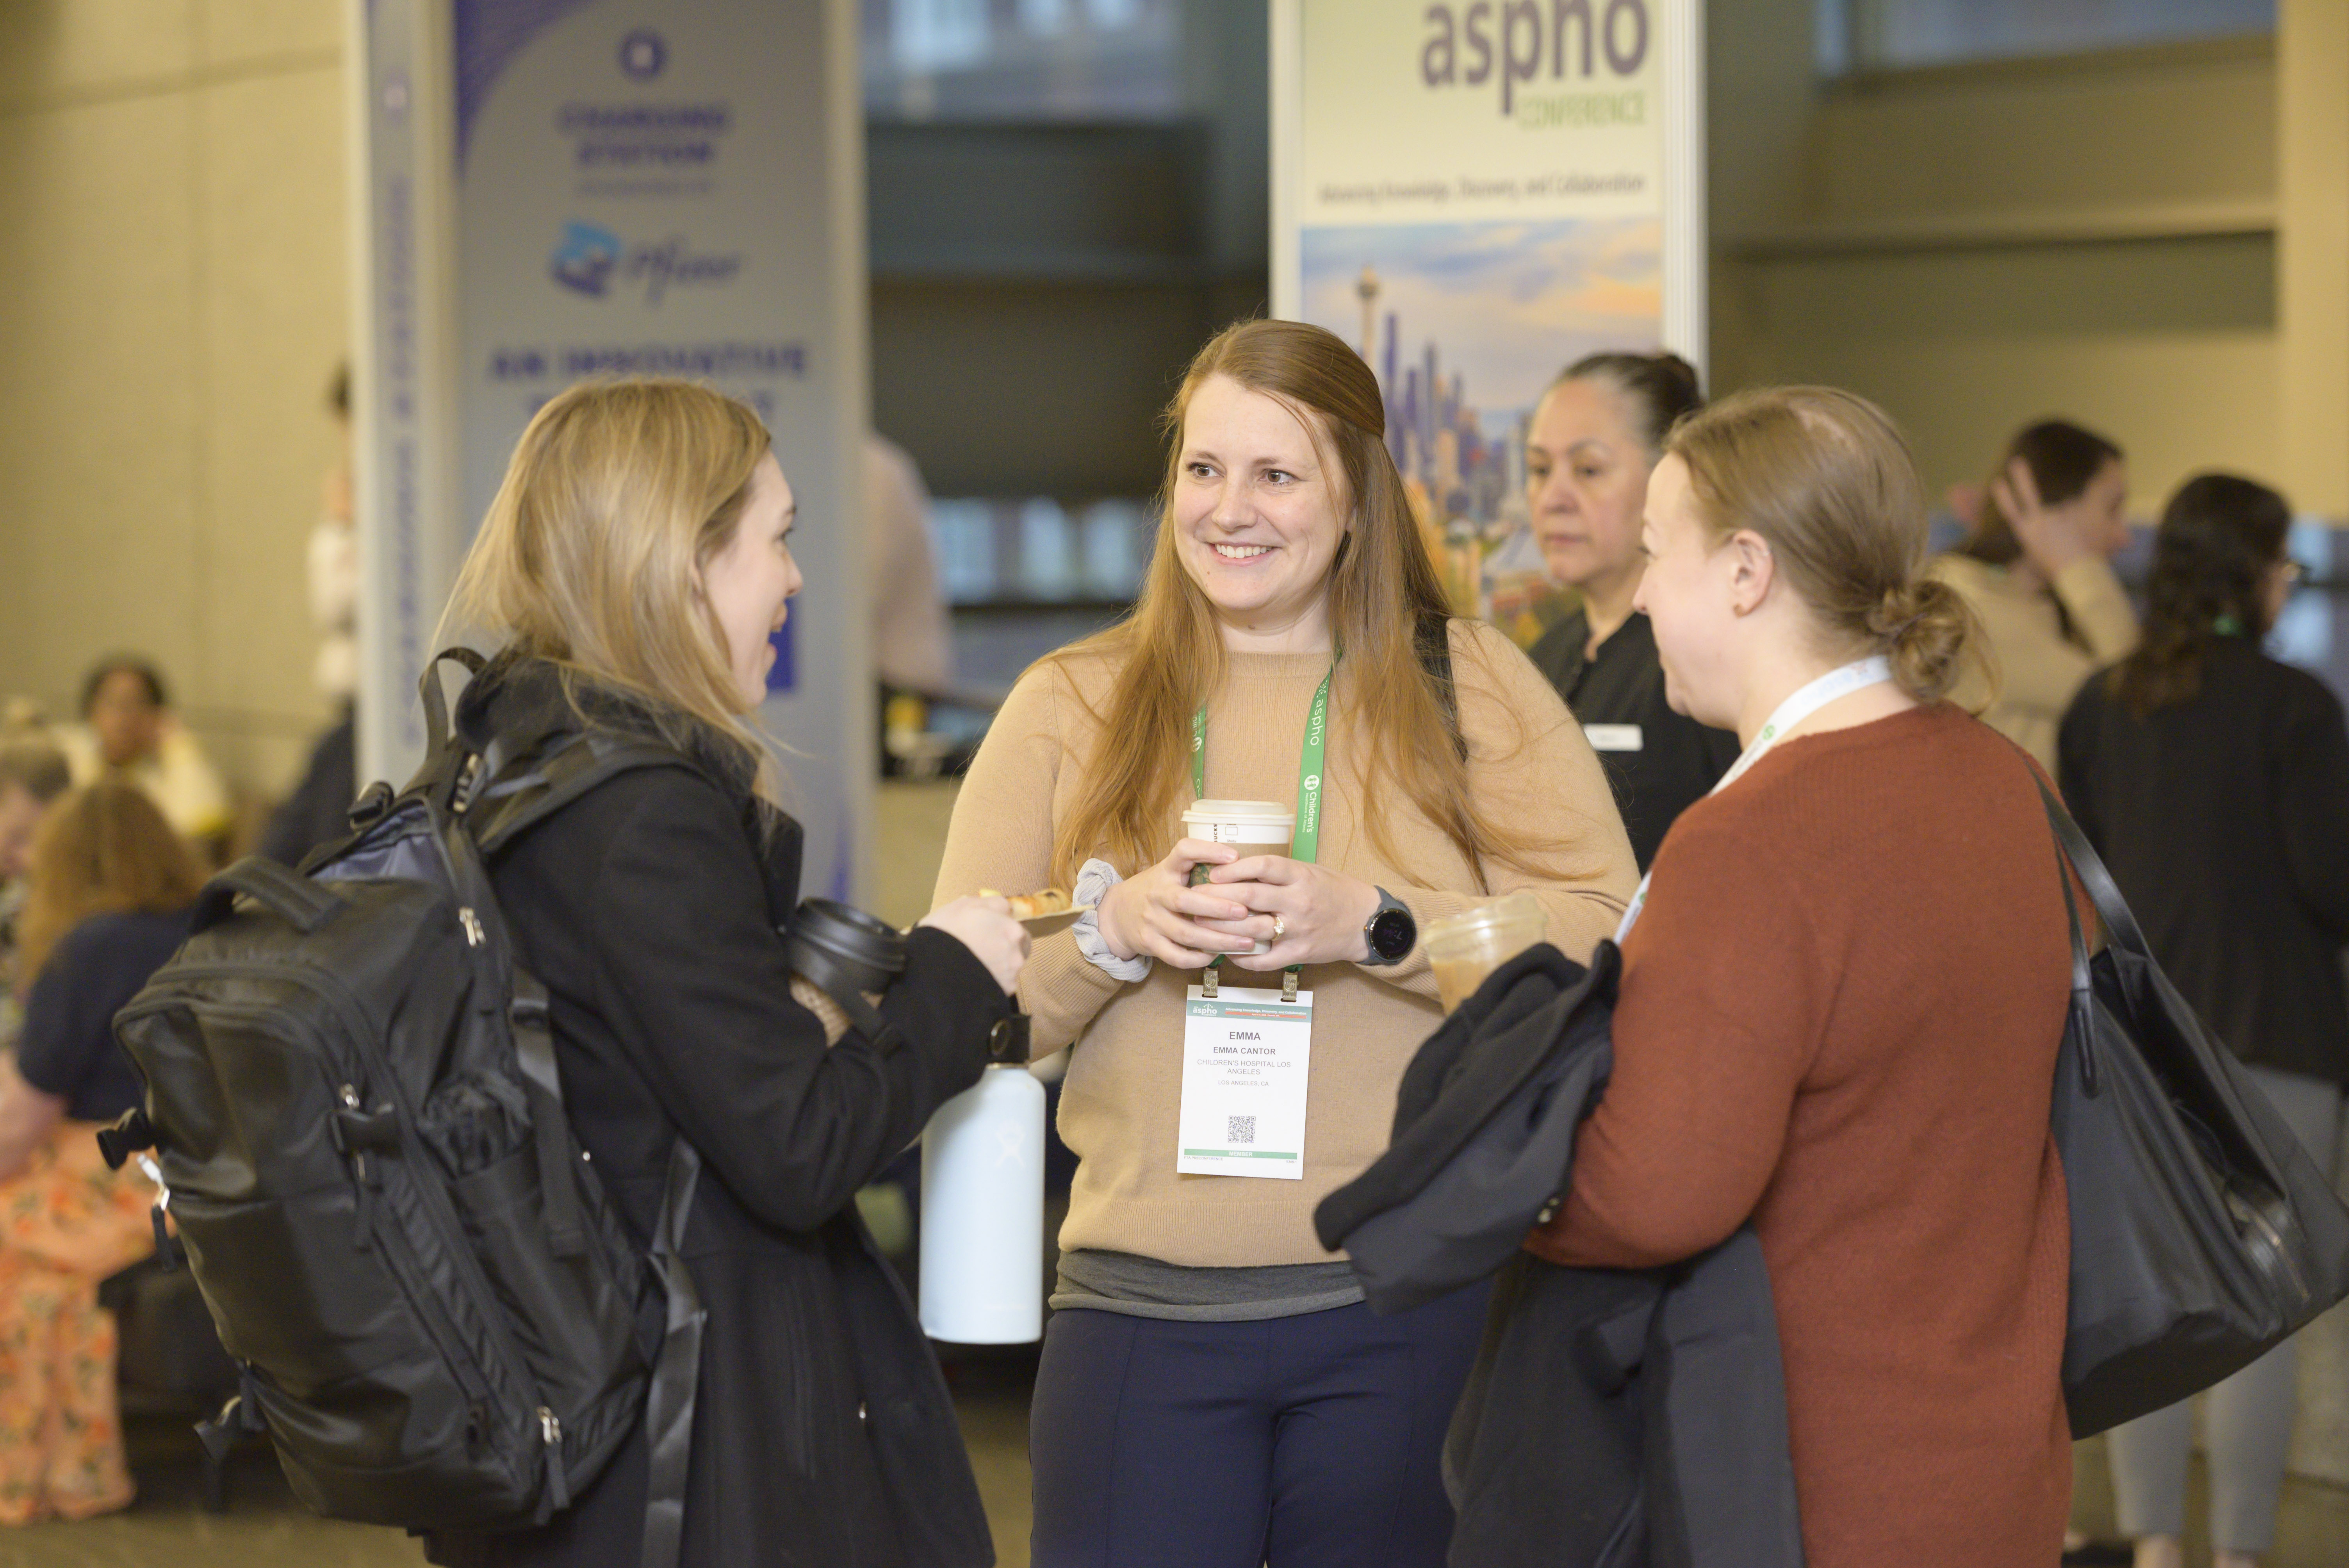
x=2215, y=782
x=1594, y=439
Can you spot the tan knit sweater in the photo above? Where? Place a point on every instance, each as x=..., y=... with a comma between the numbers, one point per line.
x=2040, y=670
x=1529, y=768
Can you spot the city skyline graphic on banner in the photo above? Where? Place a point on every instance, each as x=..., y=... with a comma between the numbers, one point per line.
x=1466, y=325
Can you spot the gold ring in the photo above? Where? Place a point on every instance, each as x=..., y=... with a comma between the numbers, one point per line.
x=1279, y=927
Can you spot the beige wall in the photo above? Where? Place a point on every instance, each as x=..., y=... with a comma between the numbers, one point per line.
x=1980, y=245
x=171, y=217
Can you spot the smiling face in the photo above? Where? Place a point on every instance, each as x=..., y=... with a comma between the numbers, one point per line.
x=1586, y=478
x=1257, y=515
x=749, y=584
x=1694, y=596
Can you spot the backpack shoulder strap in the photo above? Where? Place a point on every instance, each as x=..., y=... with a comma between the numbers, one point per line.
x=524, y=791
x=1432, y=640
x=677, y=1374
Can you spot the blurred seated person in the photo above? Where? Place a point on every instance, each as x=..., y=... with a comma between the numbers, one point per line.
x=112, y=889
x=130, y=732
x=2037, y=570
x=33, y=774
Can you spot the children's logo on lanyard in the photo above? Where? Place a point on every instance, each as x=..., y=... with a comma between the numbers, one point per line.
x=1829, y=687
x=1307, y=843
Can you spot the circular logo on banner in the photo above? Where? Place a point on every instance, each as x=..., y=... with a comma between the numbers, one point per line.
x=643, y=53
x=1313, y=782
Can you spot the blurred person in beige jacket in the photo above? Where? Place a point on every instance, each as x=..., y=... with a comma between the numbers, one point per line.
x=2037, y=569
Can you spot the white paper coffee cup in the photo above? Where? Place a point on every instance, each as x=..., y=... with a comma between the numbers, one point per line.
x=1255, y=827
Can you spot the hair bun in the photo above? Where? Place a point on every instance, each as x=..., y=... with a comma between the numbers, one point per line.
x=1927, y=630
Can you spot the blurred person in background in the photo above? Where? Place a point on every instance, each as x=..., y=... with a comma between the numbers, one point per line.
x=112, y=889
x=1595, y=438
x=128, y=732
x=318, y=809
x=2214, y=781
x=913, y=636
x=2036, y=567
x=33, y=774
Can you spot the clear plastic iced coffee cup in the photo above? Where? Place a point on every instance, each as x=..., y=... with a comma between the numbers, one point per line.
x=1253, y=827
x=1464, y=948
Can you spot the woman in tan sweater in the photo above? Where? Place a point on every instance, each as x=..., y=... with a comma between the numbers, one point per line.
x=2037, y=572
x=1214, y=1393
x=1842, y=998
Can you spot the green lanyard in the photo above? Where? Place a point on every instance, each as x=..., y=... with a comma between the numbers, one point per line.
x=1307, y=841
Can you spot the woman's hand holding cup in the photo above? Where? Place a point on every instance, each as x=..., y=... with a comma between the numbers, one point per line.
x=984, y=926
x=1309, y=912
x=1158, y=912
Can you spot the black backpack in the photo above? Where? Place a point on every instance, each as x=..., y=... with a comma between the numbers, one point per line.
x=352, y=1093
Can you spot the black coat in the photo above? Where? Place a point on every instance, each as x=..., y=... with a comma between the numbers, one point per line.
x=823, y=1434
x=2225, y=820
x=1614, y=1419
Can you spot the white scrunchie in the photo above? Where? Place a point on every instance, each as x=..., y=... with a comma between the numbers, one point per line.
x=1094, y=883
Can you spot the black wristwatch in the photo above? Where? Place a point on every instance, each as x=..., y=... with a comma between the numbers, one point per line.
x=1391, y=932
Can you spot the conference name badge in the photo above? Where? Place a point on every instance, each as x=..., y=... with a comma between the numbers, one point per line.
x=1614, y=736
x=1245, y=1058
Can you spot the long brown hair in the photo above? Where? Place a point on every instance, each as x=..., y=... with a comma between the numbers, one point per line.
x=1169, y=653
x=618, y=495
x=2219, y=538
x=1825, y=475
x=102, y=850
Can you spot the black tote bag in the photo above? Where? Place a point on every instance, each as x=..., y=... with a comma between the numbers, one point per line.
x=2202, y=1235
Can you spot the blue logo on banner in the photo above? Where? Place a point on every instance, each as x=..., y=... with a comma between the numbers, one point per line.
x=584, y=259
x=643, y=53
x=591, y=259
x=783, y=677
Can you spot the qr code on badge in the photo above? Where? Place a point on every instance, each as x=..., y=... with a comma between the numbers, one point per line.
x=1242, y=1130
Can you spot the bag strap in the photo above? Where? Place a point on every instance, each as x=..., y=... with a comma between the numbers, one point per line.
x=435, y=700
x=1431, y=639
x=2103, y=891
x=2083, y=977
x=525, y=791
x=295, y=899
x=677, y=1375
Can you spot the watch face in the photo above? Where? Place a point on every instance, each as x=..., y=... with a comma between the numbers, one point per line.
x=1391, y=933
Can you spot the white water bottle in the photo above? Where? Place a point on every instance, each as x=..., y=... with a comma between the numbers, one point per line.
x=983, y=1209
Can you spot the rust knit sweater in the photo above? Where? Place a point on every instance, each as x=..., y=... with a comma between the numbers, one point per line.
x=1840, y=1016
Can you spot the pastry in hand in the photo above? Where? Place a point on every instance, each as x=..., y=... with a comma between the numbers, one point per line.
x=1032, y=905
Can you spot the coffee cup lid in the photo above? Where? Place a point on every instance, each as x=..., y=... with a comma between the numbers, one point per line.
x=1254, y=812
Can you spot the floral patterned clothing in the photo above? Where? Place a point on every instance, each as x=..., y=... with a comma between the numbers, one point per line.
x=66, y=1222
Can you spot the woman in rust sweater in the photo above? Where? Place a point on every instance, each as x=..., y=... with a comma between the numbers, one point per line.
x=1842, y=998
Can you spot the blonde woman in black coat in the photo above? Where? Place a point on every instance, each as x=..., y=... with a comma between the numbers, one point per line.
x=634, y=564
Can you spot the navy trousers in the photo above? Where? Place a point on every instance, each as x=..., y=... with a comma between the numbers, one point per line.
x=1299, y=1442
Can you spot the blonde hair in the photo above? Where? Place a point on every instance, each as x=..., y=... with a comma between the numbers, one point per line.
x=619, y=493
x=101, y=849
x=1826, y=477
x=1169, y=653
